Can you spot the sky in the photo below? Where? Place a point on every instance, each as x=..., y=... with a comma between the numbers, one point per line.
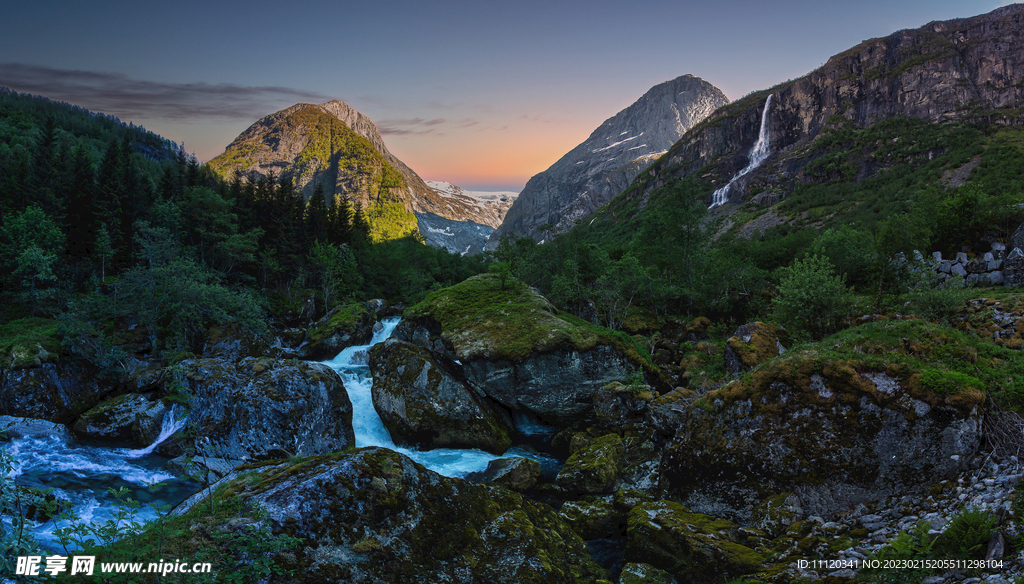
x=480, y=94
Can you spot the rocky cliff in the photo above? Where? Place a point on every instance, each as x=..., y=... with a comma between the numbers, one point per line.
x=966, y=69
x=480, y=213
x=603, y=165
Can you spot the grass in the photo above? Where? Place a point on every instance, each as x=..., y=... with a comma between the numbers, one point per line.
x=19, y=338
x=483, y=320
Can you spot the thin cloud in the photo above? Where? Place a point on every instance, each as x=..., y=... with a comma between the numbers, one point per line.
x=120, y=95
x=421, y=126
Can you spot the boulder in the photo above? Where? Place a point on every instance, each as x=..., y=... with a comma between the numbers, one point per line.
x=594, y=519
x=753, y=344
x=594, y=468
x=512, y=345
x=422, y=403
x=619, y=408
x=374, y=515
x=255, y=408
x=692, y=547
x=342, y=327
x=130, y=417
x=13, y=427
x=516, y=473
x=57, y=392
x=775, y=514
x=633, y=573
x=232, y=341
x=1017, y=239
x=831, y=434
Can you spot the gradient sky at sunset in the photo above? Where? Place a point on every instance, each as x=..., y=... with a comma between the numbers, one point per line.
x=481, y=94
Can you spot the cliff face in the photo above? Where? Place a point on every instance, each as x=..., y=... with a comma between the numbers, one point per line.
x=601, y=167
x=960, y=69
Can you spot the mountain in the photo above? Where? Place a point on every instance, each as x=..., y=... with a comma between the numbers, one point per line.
x=482, y=212
x=965, y=70
x=603, y=165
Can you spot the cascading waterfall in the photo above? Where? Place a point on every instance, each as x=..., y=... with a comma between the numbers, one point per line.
x=757, y=156
x=81, y=474
x=351, y=365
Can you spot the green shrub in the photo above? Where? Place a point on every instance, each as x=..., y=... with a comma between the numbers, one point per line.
x=812, y=300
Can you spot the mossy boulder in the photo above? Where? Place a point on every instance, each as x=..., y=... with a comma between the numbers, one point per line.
x=232, y=341
x=374, y=515
x=594, y=519
x=620, y=408
x=594, y=468
x=422, y=402
x=753, y=344
x=775, y=514
x=633, y=573
x=512, y=344
x=130, y=417
x=819, y=427
x=690, y=546
x=57, y=392
x=342, y=327
x=516, y=473
x=254, y=408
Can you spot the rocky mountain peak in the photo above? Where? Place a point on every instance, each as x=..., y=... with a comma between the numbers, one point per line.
x=604, y=164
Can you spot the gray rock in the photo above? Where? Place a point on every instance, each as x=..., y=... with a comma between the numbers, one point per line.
x=516, y=473
x=458, y=237
x=57, y=392
x=937, y=255
x=775, y=514
x=946, y=266
x=633, y=573
x=594, y=519
x=958, y=270
x=996, y=246
x=988, y=257
x=423, y=404
x=259, y=408
x=593, y=468
x=961, y=257
x=995, y=278
x=14, y=427
x=134, y=417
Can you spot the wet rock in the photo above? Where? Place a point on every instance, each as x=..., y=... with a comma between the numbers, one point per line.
x=14, y=427
x=594, y=468
x=342, y=327
x=516, y=473
x=58, y=392
x=374, y=515
x=242, y=409
x=690, y=546
x=422, y=403
x=134, y=417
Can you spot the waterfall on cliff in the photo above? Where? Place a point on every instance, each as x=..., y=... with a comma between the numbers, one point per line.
x=351, y=365
x=758, y=154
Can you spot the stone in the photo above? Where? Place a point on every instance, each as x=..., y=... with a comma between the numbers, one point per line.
x=958, y=270
x=995, y=278
x=594, y=468
x=753, y=344
x=134, y=417
x=692, y=547
x=946, y=266
x=937, y=256
x=57, y=392
x=247, y=408
x=594, y=519
x=619, y=407
x=774, y=514
x=422, y=403
x=342, y=327
x=232, y=341
x=961, y=258
x=633, y=573
x=996, y=246
x=516, y=473
x=988, y=257
x=14, y=427
x=374, y=515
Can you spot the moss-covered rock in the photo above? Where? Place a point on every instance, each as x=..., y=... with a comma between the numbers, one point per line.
x=819, y=426
x=516, y=473
x=514, y=347
x=374, y=515
x=252, y=408
x=690, y=546
x=231, y=341
x=594, y=519
x=620, y=408
x=633, y=573
x=775, y=514
x=131, y=416
x=345, y=326
x=422, y=403
x=58, y=392
x=753, y=344
x=594, y=468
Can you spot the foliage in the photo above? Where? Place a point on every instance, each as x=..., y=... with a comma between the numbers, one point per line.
x=15, y=538
x=812, y=300
x=913, y=545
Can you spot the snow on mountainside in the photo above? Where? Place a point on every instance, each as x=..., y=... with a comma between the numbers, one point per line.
x=481, y=211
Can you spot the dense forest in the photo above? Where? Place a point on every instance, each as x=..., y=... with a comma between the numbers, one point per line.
x=107, y=223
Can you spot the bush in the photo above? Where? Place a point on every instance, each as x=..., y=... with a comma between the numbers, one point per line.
x=812, y=300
